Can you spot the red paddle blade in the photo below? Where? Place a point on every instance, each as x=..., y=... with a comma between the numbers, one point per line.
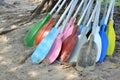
x=44, y=31
x=68, y=45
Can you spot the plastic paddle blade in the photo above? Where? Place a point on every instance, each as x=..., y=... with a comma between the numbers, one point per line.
x=81, y=40
x=68, y=45
x=87, y=56
x=74, y=55
x=44, y=31
x=111, y=38
x=43, y=48
x=69, y=28
x=68, y=32
x=97, y=40
x=31, y=35
x=104, y=40
x=71, y=22
x=55, y=49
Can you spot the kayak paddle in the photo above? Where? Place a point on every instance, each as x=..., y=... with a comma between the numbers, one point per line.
x=104, y=15
x=69, y=28
x=88, y=51
x=97, y=38
x=111, y=35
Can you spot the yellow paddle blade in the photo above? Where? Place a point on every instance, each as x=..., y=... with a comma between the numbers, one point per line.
x=111, y=38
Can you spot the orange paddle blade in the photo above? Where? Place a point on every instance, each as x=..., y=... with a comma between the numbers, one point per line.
x=68, y=45
x=44, y=31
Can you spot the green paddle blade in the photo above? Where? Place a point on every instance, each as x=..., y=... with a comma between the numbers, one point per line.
x=30, y=37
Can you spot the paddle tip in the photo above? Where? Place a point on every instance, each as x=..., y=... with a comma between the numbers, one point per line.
x=34, y=59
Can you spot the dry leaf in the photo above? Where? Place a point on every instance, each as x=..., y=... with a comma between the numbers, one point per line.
x=65, y=66
x=114, y=66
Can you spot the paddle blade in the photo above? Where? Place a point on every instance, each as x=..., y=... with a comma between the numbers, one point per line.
x=71, y=22
x=97, y=40
x=55, y=49
x=44, y=31
x=81, y=40
x=30, y=36
x=68, y=29
x=68, y=33
x=68, y=45
x=74, y=55
x=111, y=38
x=43, y=48
x=87, y=56
x=104, y=40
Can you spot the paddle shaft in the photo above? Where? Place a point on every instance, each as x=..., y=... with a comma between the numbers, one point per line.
x=78, y=9
x=84, y=6
x=51, y=12
x=61, y=6
x=96, y=20
x=88, y=14
x=79, y=22
x=69, y=15
x=108, y=12
x=63, y=15
x=91, y=17
x=112, y=11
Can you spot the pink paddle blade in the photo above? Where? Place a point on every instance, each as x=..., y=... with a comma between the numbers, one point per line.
x=69, y=28
x=68, y=32
x=55, y=49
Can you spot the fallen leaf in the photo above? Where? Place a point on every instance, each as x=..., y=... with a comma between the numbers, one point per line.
x=114, y=66
x=66, y=66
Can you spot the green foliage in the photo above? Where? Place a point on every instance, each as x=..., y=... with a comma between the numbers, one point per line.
x=117, y=2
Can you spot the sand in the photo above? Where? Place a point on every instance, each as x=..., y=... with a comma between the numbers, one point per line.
x=12, y=48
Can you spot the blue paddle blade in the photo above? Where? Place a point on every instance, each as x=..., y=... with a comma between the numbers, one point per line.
x=43, y=48
x=80, y=29
x=104, y=40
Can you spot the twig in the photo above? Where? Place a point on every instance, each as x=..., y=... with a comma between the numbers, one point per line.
x=24, y=58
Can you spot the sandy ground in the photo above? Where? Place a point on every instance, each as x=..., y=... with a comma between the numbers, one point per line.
x=12, y=48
